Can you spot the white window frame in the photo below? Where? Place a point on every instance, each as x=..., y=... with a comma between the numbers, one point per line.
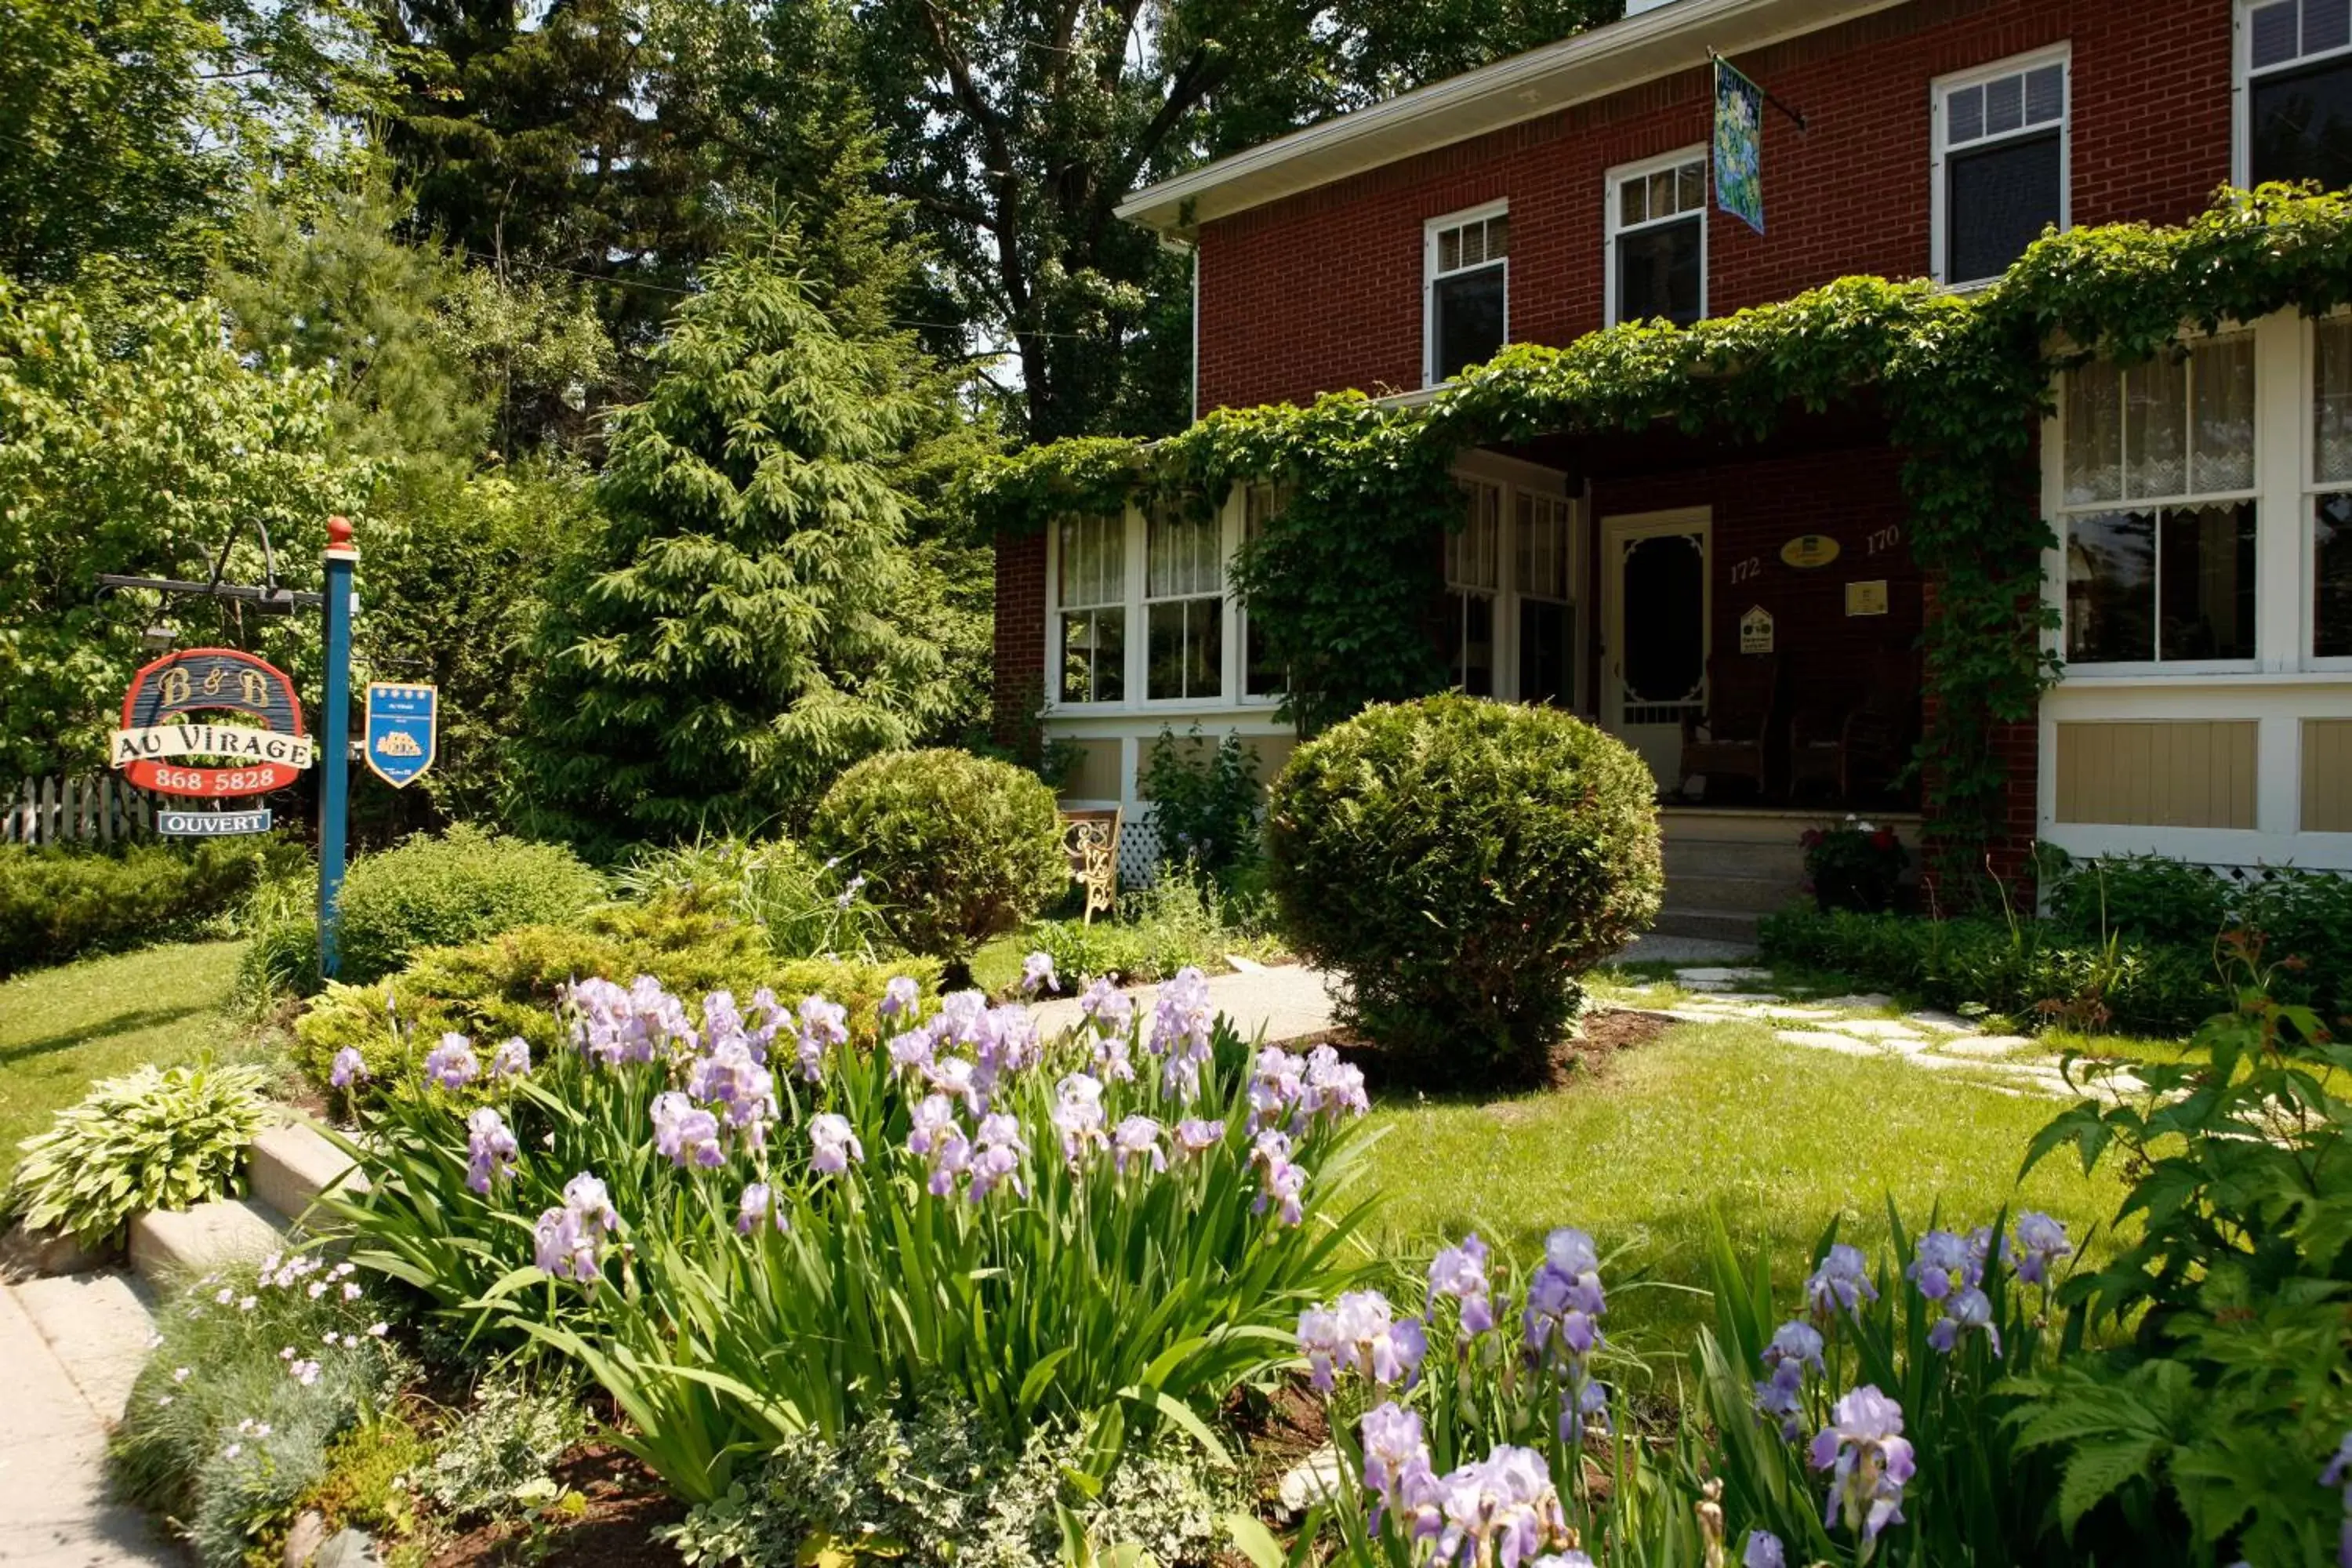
x=2266, y=526
x=1219, y=524
x=2061, y=55
x=1430, y=230
x=1611, y=209
x=1137, y=665
x=1242, y=696
x=2241, y=78
x=2311, y=489
x=1053, y=701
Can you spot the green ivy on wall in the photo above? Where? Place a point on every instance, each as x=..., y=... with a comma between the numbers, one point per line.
x=1340, y=579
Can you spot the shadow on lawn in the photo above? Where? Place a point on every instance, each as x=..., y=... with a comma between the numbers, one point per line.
x=120, y=1023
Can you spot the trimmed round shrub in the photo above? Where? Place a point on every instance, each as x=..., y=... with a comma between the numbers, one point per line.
x=461, y=886
x=1459, y=863
x=958, y=849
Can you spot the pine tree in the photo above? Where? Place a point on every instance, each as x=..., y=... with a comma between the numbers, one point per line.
x=746, y=636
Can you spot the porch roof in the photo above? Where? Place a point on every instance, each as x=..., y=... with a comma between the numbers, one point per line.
x=1654, y=43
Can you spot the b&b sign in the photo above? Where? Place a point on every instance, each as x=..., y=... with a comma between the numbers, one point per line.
x=257, y=747
x=402, y=732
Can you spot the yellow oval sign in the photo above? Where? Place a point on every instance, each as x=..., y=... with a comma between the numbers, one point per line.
x=1808, y=551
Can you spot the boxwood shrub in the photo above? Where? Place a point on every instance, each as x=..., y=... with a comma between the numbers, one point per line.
x=458, y=888
x=58, y=903
x=1459, y=862
x=957, y=848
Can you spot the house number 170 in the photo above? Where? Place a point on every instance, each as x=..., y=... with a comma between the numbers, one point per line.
x=1880, y=538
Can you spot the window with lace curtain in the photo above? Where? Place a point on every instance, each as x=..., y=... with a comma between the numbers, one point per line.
x=2331, y=488
x=2159, y=512
x=1184, y=603
x=1091, y=589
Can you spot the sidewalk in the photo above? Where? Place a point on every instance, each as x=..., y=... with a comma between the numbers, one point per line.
x=54, y=1512
x=1287, y=1001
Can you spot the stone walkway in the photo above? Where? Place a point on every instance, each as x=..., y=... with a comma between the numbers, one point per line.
x=1870, y=1025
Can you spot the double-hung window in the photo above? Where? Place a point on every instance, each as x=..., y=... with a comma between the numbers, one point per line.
x=1091, y=590
x=1547, y=654
x=1474, y=581
x=1466, y=292
x=1999, y=165
x=2159, y=515
x=2331, y=488
x=1184, y=603
x=1261, y=677
x=2297, y=96
x=1657, y=238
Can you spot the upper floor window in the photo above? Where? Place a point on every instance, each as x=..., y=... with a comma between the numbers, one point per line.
x=1466, y=295
x=1184, y=604
x=1091, y=589
x=2298, y=91
x=2159, y=515
x=1657, y=239
x=2000, y=166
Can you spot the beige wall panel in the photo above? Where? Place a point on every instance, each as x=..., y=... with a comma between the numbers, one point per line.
x=2327, y=776
x=1270, y=752
x=2161, y=774
x=1096, y=776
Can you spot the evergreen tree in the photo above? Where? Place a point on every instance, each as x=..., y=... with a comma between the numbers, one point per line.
x=745, y=635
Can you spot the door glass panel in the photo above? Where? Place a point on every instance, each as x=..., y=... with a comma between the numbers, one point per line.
x=1665, y=619
x=1546, y=630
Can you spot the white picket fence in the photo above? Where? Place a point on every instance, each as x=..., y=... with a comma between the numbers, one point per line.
x=98, y=808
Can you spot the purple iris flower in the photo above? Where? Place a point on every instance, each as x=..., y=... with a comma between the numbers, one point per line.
x=1077, y=1115
x=686, y=1133
x=835, y=1144
x=1941, y=1265
x=823, y=1025
x=721, y=1020
x=1869, y=1460
x=1112, y=1062
x=350, y=1067
x=951, y=1158
x=1396, y=1456
x=1841, y=1283
x=1360, y=1333
x=1277, y=1079
x=899, y=998
x=957, y=1078
x=513, y=1059
x=933, y=1114
x=1181, y=1021
x=569, y=1239
x=1037, y=973
x=730, y=1080
x=2040, y=1242
x=759, y=1034
x=1111, y=1009
x=757, y=1207
x=1967, y=1310
x=452, y=1063
x=1763, y=1551
x=1460, y=1272
x=1281, y=1181
x=1136, y=1138
x=2339, y=1473
x=997, y=1157
x=490, y=1149
x=1195, y=1136
x=1502, y=1510
x=1333, y=1089
x=912, y=1052
x=1795, y=1347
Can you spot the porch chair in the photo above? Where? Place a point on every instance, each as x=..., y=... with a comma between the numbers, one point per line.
x=1090, y=840
x=1865, y=743
x=1731, y=737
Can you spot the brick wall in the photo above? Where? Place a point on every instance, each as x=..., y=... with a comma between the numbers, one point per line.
x=1020, y=633
x=1323, y=290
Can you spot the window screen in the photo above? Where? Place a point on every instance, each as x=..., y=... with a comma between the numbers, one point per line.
x=1659, y=242
x=1468, y=294
x=2003, y=168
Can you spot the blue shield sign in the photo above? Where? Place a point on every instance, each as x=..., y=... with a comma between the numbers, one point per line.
x=402, y=731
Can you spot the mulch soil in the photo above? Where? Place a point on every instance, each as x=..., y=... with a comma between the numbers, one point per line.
x=1601, y=1034
x=626, y=1505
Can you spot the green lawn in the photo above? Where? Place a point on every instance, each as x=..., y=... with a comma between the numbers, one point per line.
x=62, y=1029
x=1781, y=1139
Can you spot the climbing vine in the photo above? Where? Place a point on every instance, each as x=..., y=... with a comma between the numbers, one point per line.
x=1342, y=575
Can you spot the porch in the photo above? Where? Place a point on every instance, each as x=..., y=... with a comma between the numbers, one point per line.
x=1726, y=866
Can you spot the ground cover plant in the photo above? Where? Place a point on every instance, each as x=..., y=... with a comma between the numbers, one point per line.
x=1459, y=863
x=1183, y=920
x=769, y=1219
x=64, y=1027
x=157, y=1138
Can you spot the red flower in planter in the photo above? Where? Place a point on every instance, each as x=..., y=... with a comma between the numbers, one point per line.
x=1810, y=839
x=1883, y=840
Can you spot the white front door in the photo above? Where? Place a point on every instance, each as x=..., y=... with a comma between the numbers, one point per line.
x=1654, y=586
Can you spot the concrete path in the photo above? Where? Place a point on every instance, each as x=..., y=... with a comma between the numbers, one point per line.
x=1287, y=1001
x=54, y=1512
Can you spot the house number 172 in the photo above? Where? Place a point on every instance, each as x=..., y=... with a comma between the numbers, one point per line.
x=1741, y=571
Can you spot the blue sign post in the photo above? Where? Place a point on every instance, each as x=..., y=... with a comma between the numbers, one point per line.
x=335, y=739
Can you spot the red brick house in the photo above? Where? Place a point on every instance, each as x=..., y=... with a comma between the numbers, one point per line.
x=1676, y=588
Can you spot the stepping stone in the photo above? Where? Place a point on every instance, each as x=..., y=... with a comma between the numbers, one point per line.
x=1316, y=1479
x=1752, y=998
x=1719, y=975
x=1942, y=1023
x=1822, y=1040
x=1868, y=1002
x=1885, y=1029
x=1985, y=1047
x=1799, y=1014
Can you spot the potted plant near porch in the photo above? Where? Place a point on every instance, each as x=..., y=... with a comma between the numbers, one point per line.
x=1853, y=866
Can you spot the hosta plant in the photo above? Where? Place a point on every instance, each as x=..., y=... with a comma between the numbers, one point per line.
x=755, y=1219
x=156, y=1138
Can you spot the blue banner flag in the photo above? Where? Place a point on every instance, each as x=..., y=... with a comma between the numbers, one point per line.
x=402, y=732
x=1739, y=145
